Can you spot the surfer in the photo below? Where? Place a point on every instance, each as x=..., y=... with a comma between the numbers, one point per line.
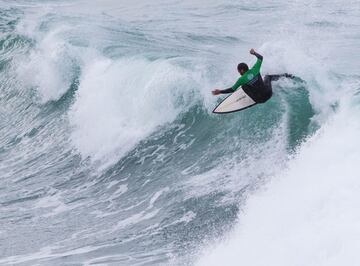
x=251, y=81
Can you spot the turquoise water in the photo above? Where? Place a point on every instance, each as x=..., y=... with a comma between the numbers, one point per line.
x=110, y=154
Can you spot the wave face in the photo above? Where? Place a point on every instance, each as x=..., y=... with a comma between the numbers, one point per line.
x=110, y=155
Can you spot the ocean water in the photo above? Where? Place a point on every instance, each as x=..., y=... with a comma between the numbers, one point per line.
x=110, y=155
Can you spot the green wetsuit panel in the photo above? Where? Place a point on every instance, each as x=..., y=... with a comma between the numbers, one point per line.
x=248, y=75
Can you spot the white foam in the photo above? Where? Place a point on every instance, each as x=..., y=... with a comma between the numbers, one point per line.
x=292, y=56
x=156, y=196
x=186, y=218
x=49, y=67
x=121, y=102
x=309, y=214
x=136, y=218
x=146, y=214
x=231, y=175
x=118, y=192
x=45, y=253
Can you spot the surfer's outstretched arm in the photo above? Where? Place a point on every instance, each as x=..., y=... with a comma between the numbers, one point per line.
x=217, y=91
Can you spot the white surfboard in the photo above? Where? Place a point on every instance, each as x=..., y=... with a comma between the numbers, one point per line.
x=237, y=101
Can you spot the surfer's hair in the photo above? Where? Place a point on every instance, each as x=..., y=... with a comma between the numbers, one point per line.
x=242, y=66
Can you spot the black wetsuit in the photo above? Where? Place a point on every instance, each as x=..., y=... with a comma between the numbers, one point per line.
x=263, y=90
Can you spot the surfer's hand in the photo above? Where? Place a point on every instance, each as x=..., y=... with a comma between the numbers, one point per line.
x=215, y=92
x=252, y=51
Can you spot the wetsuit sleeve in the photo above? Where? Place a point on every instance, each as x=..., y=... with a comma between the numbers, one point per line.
x=229, y=90
x=257, y=65
x=258, y=56
x=241, y=81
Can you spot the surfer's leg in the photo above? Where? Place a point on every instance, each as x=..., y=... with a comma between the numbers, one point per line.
x=267, y=81
x=278, y=76
x=267, y=91
x=268, y=87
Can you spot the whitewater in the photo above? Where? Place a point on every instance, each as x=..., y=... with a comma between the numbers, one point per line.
x=110, y=153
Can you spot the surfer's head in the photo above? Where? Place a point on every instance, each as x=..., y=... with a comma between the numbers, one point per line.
x=242, y=68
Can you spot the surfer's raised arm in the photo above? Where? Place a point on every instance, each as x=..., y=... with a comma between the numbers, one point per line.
x=258, y=56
